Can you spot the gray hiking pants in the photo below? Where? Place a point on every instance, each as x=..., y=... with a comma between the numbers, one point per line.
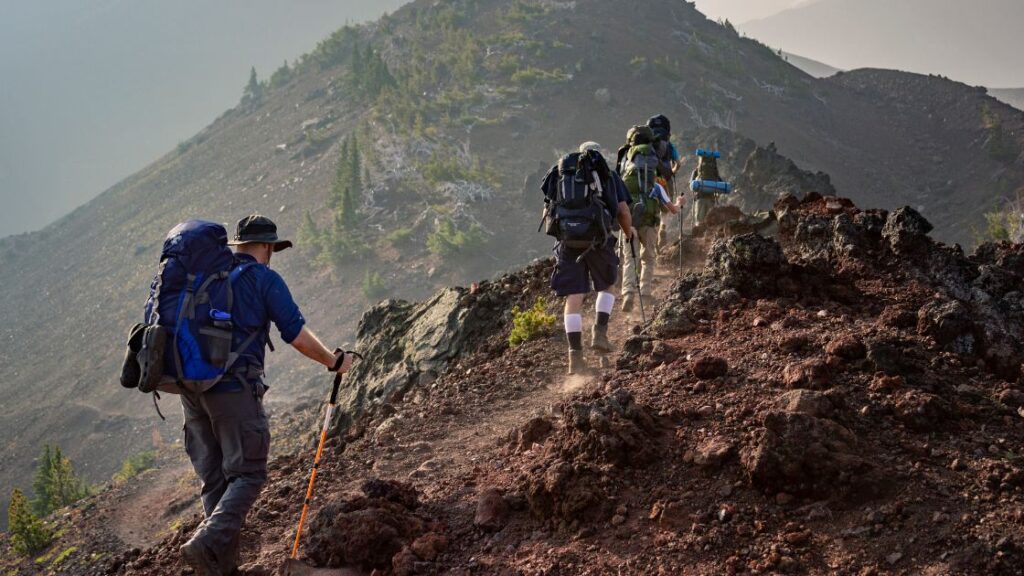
x=227, y=437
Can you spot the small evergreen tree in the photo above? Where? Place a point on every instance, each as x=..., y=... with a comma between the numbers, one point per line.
x=340, y=177
x=42, y=483
x=280, y=77
x=28, y=533
x=253, y=93
x=310, y=240
x=56, y=485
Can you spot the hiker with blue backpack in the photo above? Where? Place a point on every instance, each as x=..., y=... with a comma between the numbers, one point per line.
x=206, y=330
x=640, y=168
x=584, y=200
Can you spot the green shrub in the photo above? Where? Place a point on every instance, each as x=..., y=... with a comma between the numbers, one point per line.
x=60, y=558
x=29, y=535
x=1005, y=225
x=448, y=240
x=135, y=465
x=532, y=76
x=399, y=237
x=530, y=324
x=374, y=286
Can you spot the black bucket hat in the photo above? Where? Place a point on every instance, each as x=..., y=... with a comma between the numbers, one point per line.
x=258, y=229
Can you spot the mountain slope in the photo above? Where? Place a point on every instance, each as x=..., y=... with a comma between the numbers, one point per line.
x=481, y=94
x=834, y=400
x=977, y=43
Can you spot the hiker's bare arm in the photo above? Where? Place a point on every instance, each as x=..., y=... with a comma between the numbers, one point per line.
x=311, y=347
x=673, y=207
x=625, y=218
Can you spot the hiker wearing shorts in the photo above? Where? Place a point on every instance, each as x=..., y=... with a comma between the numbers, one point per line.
x=581, y=265
x=227, y=436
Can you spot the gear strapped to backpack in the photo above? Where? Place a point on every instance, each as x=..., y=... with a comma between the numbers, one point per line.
x=640, y=166
x=576, y=213
x=646, y=211
x=185, y=345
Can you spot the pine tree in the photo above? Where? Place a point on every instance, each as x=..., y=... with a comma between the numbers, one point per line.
x=28, y=533
x=43, y=482
x=253, y=93
x=309, y=236
x=355, y=171
x=280, y=77
x=67, y=488
x=358, y=69
x=340, y=177
x=55, y=484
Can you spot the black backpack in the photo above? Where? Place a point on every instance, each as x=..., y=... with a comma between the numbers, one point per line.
x=660, y=125
x=576, y=212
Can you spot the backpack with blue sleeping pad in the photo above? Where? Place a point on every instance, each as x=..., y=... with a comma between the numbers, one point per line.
x=186, y=344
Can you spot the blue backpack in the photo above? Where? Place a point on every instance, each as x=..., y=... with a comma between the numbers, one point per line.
x=188, y=334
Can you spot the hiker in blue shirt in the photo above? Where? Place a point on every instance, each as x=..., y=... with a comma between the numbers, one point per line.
x=227, y=436
x=671, y=162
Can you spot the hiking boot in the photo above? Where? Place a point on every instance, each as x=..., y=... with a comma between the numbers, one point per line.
x=199, y=557
x=627, y=303
x=577, y=365
x=228, y=560
x=599, y=339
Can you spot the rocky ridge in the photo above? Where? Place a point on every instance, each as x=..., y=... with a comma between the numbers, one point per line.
x=843, y=398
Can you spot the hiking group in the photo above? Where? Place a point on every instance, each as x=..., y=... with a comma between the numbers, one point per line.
x=207, y=320
x=595, y=212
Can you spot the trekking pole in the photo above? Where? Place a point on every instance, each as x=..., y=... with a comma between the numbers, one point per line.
x=679, y=217
x=636, y=271
x=320, y=449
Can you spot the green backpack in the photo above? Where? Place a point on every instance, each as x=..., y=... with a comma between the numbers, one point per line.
x=640, y=173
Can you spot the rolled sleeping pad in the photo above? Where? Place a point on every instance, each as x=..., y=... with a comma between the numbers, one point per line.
x=711, y=186
x=708, y=153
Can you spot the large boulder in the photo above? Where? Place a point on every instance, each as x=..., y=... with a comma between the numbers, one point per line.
x=402, y=343
x=906, y=231
x=748, y=264
x=801, y=454
x=949, y=323
x=366, y=530
x=412, y=344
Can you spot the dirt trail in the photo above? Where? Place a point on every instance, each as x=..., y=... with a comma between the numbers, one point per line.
x=453, y=453
x=150, y=506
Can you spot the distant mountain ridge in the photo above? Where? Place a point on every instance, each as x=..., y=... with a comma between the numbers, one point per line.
x=812, y=67
x=1012, y=96
x=481, y=94
x=974, y=42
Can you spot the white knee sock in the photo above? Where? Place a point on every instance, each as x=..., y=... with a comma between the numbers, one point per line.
x=573, y=323
x=605, y=302
x=574, y=331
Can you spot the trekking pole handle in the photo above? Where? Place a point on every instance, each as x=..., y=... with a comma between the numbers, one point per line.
x=339, y=360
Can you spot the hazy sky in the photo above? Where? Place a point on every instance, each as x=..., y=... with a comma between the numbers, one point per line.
x=93, y=90
x=739, y=11
x=974, y=41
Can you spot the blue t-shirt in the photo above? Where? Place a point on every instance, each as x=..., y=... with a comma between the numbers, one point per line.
x=674, y=152
x=261, y=297
x=621, y=191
